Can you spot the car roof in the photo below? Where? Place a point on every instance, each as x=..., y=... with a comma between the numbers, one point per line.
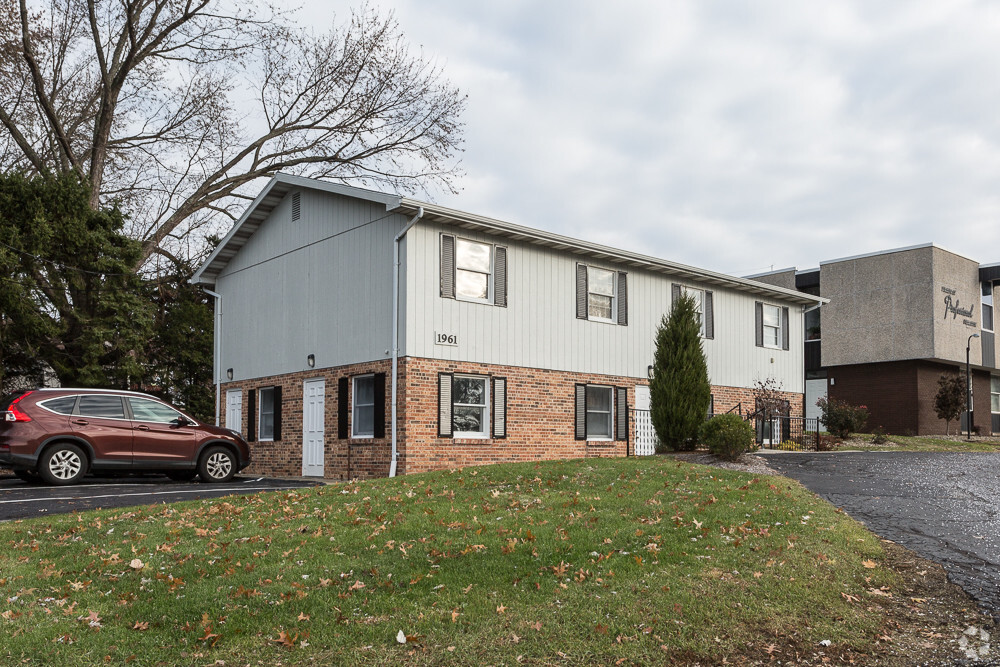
x=78, y=390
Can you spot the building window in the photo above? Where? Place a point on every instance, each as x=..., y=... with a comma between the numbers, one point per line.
x=473, y=270
x=699, y=304
x=600, y=294
x=988, y=306
x=772, y=326
x=995, y=394
x=470, y=406
x=600, y=413
x=265, y=429
x=363, y=419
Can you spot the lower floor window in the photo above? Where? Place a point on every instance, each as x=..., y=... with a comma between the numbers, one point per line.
x=469, y=400
x=364, y=406
x=266, y=427
x=995, y=394
x=599, y=412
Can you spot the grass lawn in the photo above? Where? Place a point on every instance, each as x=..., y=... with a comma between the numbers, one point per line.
x=634, y=560
x=920, y=443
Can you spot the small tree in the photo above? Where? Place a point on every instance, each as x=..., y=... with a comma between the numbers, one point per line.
x=949, y=402
x=842, y=418
x=768, y=397
x=680, y=392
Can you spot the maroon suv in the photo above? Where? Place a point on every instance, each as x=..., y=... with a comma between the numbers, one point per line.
x=59, y=435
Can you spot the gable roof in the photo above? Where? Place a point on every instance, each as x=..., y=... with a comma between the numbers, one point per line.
x=282, y=184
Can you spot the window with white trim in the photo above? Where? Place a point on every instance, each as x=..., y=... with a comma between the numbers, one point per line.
x=363, y=417
x=600, y=412
x=601, y=294
x=771, y=319
x=265, y=419
x=473, y=270
x=995, y=394
x=470, y=406
x=987, y=306
x=699, y=304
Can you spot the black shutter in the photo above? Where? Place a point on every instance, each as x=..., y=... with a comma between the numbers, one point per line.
x=758, y=316
x=447, y=266
x=378, y=384
x=581, y=291
x=252, y=415
x=500, y=277
x=445, y=422
x=277, y=413
x=499, y=407
x=580, y=412
x=342, y=408
x=622, y=298
x=675, y=294
x=784, y=328
x=621, y=413
x=708, y=312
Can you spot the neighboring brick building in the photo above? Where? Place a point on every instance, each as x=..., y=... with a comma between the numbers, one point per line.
x=896, y=321
x=507, y=343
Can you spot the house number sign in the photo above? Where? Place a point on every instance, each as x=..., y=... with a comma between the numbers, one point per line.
x=445, y=339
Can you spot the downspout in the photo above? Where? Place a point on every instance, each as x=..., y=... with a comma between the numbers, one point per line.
x=217, y=351
x=395, y=330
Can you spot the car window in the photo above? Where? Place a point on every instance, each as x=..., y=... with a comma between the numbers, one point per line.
x=150, y=411
x=101, y=406
x=63, y=405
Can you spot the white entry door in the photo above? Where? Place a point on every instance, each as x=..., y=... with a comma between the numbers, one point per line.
x=313, y=410
x=234, y=410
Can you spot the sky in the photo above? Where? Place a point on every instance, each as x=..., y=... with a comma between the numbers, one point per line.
x=734, y=136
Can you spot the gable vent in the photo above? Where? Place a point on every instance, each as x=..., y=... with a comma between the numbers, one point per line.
x=296, y=206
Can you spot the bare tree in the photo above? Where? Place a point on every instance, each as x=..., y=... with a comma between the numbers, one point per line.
x=175, y=107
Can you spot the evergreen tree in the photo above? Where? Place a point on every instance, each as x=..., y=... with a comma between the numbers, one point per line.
x=69, y=298
x=680, y=391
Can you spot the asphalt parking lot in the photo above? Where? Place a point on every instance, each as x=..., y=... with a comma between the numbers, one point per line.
x=945, y=507
x=20, y=500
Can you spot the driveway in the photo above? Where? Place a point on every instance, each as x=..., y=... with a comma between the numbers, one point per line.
x=20, y=500
x=942, y=506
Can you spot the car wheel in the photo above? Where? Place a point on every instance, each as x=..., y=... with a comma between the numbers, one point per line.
x=63, y=464
x=29, y=476
x=182, y=475
x=217, y=465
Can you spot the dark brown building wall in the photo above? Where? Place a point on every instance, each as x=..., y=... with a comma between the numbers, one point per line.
x=900, y=395
x=889, y=390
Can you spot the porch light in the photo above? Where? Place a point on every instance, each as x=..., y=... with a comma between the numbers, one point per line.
x=311, y=360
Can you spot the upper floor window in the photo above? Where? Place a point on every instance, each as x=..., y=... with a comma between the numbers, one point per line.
x=987, y=306
x=473, y=271
x=601, y=294
x=771, y=326
x=702, y=304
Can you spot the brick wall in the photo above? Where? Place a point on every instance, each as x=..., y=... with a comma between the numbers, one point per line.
x=540, y=420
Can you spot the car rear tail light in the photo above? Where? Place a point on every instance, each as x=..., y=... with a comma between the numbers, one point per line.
x=16, y=414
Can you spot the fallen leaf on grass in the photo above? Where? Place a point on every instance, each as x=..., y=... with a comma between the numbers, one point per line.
x=870, y=564
x=141, y=625
x=501, y=609
x=303, y=616
x=136, y=564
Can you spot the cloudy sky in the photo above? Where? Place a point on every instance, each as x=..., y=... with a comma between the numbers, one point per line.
x=736, y=136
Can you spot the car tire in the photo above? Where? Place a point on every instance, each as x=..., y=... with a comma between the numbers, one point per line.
x=29, y=476
x=218, y=464
x=182, y=475
x=62, y=464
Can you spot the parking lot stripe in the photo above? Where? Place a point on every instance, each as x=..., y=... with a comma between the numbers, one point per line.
x=127, y=495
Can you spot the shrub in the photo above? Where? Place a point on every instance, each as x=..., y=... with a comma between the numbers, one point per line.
x=842, y=418
x=728, y=436
x=879, y=437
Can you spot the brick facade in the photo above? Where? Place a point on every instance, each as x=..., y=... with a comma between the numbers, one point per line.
x=900, y=395
x=540, y=420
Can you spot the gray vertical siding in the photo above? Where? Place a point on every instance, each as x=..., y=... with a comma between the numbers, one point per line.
x=321, y=285
x=539, y=328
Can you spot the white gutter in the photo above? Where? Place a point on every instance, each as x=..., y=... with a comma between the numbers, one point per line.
x=217, y=351
x=395, y=329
